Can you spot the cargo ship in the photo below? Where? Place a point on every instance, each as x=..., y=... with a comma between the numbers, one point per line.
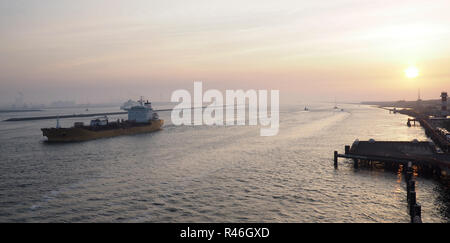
x=141, y=119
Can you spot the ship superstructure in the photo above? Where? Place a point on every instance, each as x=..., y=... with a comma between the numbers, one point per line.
x=142, y=113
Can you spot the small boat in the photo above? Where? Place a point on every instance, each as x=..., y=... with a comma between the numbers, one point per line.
x=335, y=104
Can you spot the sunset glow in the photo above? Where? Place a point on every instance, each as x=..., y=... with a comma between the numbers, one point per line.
x=123, y=50
x=411, y=72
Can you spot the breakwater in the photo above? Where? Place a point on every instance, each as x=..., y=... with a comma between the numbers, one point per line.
x=71, y=116
x=62, y=116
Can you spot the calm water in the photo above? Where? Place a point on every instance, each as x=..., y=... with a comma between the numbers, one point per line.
x=210, y=174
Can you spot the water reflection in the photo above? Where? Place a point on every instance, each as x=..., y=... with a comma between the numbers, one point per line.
x=443, y=198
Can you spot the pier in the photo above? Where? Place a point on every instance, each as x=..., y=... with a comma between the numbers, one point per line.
x=430, y=131
x=439, y=140
x=86, y=115
x=394, y=154
x=410, y=157
x=18, y=110
x=426, y=158
x=425, y=122
x=71, y=116
x=408, y=123
x=62, y=116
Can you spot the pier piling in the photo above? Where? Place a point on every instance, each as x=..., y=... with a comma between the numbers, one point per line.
x=369, y=155
x=335, y=159
x=412, y=198
x=410, y=187
x=416, y=217
x=347, y=149
x=408, y=175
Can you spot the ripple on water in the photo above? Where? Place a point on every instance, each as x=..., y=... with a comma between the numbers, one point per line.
x=211, y=174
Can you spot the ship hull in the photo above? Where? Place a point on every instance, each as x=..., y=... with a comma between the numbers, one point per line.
x=77, y=134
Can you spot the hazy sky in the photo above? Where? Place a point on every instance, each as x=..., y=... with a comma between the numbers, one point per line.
x=106, y=50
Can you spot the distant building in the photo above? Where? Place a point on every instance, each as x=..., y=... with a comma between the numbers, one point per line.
x=444, y=104
x=440, y=119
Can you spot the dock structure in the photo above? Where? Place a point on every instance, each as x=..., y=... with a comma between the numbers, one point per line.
x=394, y=154
x=423, y=158
x=411, y=120
x=430, y=131
x=408, y=156
x=439, y=140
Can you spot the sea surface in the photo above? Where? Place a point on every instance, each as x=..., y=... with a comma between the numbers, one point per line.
x=211, y=173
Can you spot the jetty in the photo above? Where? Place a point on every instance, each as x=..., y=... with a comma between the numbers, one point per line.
x=92, y=114
x=429, y=158
x=409, y=157
x=18, y=110
x=430, y=131
x=62, y=116
x=396, y=154
x=71, y=116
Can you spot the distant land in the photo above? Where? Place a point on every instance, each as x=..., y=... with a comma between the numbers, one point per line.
x=405, y=104
x=18, y=110
x=426, y=107
x=62, y=105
